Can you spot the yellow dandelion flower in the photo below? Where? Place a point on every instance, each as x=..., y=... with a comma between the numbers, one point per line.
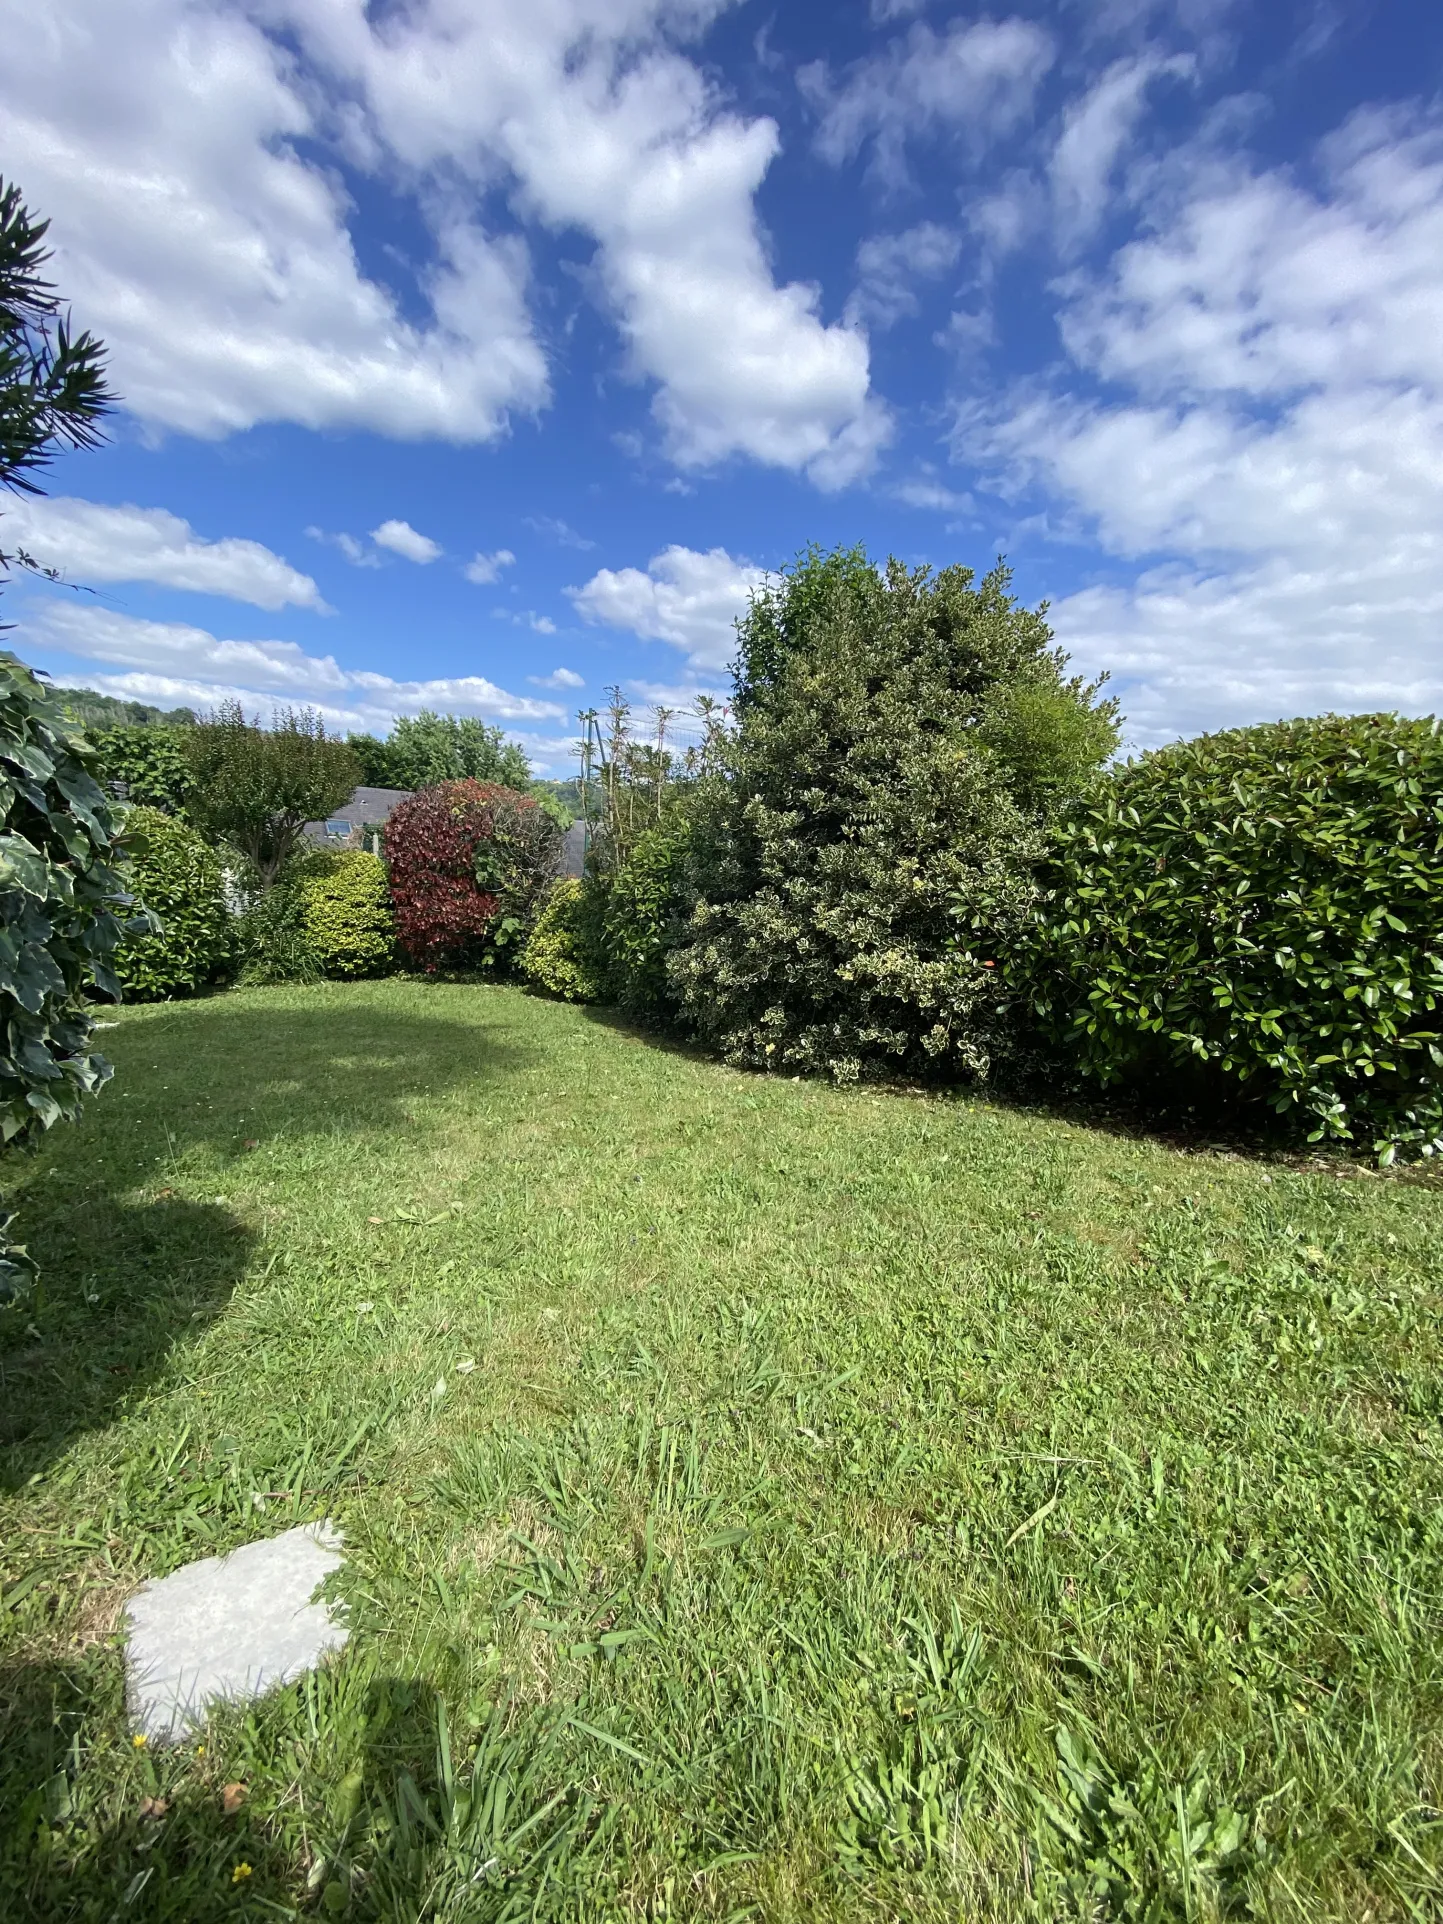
x=139, y=1740
x=240, y=1873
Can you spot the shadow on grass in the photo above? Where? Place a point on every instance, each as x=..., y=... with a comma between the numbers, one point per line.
x=1181, y=1111
x=120, y=1285
x=92, y=1829
x=125, y=1278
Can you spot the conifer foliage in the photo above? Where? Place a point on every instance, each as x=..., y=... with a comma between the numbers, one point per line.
x=903, y=742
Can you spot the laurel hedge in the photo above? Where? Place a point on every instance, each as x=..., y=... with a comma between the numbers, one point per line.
x=175, y=873
x=1263, y=907
x=63, y=914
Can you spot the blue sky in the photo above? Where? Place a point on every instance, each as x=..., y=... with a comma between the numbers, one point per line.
x=477, y=354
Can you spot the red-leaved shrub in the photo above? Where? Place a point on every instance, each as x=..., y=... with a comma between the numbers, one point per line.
x=467, y=860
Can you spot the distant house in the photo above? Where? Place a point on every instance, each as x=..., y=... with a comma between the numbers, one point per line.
x=353, y=826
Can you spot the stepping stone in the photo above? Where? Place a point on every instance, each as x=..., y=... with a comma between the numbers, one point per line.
x=228, y=1627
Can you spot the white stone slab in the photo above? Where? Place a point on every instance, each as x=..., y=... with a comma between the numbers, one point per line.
x=230, y=1627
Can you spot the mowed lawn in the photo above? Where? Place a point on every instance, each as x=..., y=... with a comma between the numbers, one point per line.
x=761, y=1500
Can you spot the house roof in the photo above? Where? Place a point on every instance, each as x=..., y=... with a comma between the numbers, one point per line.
x=367, y=808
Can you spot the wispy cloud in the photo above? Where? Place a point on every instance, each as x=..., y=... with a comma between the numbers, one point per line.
x=554, y=530
x=485, y=569
x=176, y=663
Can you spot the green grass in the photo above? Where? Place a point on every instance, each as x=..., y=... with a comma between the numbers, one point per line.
x=761, y=1500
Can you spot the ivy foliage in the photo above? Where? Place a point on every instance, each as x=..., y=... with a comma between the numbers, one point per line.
x=560, y=957
x=345, y=911
x=904, y=740
x=470, y=864
x=1263, y=906
x=62, y=909
x=175, y=873
x=143, y=764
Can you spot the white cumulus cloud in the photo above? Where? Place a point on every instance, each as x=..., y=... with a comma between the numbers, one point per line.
x=689, y=599
x=176, y=664
x=186, y=150
x=558, y=678
x=609, y=131
x=163, y=138
x=402, y=539
x=1274, y=450
x=89, y=541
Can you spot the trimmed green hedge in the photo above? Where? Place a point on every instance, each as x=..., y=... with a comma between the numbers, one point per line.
x=176, y=874
x=345, y=912
x=1264, y=906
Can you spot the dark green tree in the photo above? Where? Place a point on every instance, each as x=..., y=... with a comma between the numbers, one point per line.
x=92, y=711
x=145, y=765
x=373, y=759
x=903, y=742
x=256, y=788
x=425, y=749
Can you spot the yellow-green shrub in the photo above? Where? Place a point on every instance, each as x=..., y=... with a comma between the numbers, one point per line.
x=345, y=911
x=559, y=956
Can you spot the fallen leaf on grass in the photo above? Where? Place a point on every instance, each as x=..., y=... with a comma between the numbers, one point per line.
x=375, y=1219
x=232, y=1797
x=252, y=1142
x=466, y=1365
x=1037, y=1516
x=154, y=1806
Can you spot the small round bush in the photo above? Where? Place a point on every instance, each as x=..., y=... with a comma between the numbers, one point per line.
x=1263, y=907
x=469, y=864
x=345, y=911
x=177, y=875
x=559, y=957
